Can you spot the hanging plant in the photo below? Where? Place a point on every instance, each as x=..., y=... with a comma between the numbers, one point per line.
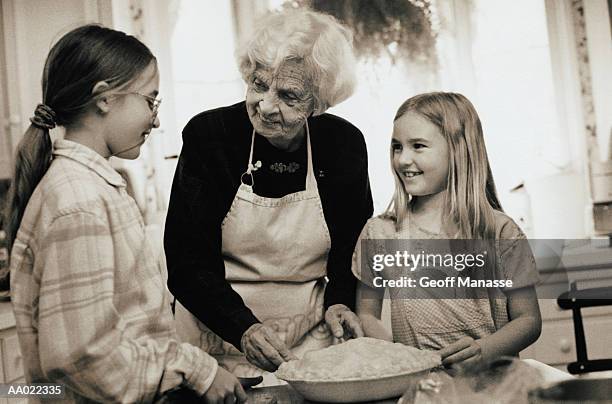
x=400, y=29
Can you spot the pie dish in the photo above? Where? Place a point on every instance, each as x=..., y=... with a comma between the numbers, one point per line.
x=360, y=369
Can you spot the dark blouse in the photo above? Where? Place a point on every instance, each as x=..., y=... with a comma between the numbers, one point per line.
x=215, y=153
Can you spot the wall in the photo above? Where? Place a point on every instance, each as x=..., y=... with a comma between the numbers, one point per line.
x=513, y=60
x=499, y=55
x=516, y=98
x=29, y=28
x=519, y=76
x=194, y=42
x=598, y=29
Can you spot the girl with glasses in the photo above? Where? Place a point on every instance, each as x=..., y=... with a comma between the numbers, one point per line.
x=91, y=307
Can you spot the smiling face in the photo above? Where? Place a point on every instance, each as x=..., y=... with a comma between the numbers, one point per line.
x=132, y=116
x=420, y=155
x=279, y=104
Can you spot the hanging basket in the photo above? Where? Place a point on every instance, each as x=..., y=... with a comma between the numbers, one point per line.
x=399, y=29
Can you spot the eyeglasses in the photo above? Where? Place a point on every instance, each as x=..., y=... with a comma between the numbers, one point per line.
x=153, y=102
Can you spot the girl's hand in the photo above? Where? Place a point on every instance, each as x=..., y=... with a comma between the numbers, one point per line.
x=343, y=323
x=465, y=354
x=225, y=388
x=374, y=328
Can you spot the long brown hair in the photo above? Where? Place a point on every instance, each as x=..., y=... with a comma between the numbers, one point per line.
x=80, y=59
x=471, y=197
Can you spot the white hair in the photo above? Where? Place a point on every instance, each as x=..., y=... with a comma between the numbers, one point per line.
x=318, y=40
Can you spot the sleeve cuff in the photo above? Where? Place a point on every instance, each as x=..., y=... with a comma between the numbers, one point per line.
x=242, y=321
x=203, y=374
x=345, y=297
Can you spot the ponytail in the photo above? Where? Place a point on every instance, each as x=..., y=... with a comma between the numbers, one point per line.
x=32, y=160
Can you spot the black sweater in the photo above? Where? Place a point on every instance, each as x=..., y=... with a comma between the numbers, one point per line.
x=215, y=152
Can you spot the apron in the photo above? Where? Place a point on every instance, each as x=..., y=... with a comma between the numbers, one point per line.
x=429, y=319
x=275, y=253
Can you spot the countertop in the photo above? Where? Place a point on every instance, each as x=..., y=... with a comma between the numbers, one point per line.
x=287, y=395
x=552, y=255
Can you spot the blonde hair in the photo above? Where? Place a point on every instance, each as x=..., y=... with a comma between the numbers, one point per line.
x=318, y=40
x=471, y=197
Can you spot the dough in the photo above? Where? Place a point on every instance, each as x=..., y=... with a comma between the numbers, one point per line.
x=361, y=358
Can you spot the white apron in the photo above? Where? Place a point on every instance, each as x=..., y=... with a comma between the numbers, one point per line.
x=275, y=254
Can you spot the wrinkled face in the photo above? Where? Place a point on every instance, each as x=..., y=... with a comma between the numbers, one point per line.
x=420, y=155
x=278, y=105
x=133, y=115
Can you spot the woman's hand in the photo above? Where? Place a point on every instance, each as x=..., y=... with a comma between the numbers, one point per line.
x=465, y=354
x=343, y=323
x=263, y=348
x=225, y=388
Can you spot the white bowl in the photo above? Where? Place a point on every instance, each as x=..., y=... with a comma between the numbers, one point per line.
x=357, y=390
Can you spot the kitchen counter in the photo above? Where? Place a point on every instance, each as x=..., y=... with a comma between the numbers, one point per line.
x=572, y=255
x=586, y=263
x=287, y=395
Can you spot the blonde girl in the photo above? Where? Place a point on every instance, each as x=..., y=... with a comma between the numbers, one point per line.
x=88, y=291
x=444, y=190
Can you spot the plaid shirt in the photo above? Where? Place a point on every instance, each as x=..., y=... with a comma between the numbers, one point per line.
x=88, y=290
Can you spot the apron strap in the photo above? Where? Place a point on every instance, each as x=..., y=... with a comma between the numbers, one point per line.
x=252, y=167
x=311, y=183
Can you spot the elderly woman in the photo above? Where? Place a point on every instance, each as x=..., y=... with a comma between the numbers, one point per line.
x=268, y=200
